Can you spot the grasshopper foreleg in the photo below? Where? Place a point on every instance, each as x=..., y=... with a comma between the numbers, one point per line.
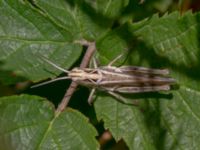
x=90, y=98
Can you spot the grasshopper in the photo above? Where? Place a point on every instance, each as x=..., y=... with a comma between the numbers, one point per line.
x=116, y=80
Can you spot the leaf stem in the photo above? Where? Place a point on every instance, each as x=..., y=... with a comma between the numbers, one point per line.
x=84, y=63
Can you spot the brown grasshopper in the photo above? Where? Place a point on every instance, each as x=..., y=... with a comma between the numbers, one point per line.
x=116, y=80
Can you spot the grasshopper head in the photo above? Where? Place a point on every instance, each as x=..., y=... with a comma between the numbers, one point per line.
x=77, y=74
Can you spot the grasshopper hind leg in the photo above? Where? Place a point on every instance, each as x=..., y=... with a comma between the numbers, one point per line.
x=115, y=95
x=123, y=99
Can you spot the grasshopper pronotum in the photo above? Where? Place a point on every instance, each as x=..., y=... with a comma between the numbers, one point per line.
x=116, y=80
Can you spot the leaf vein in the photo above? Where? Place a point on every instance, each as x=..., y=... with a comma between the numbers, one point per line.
x=189, y=107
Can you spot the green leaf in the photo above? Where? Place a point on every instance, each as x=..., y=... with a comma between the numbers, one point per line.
x=111, y=8
x=167, y=120
x=26, y=33
x=8, y=78
x=125, y=122
x=29, y=122
x=79, y=17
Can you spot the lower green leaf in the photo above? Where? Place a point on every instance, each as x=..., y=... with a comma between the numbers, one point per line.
x=29, y=122
x=125, y=122
x=157, y=123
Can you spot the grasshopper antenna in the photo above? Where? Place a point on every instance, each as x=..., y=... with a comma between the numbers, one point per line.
x=47, y=82
x=54, y=80
x=54, y=65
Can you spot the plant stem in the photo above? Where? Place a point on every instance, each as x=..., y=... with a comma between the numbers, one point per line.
x=84, y=63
